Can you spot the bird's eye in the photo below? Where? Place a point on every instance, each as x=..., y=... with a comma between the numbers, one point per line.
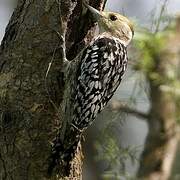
x=113, y=17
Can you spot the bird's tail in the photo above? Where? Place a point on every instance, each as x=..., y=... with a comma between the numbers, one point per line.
x=62, y=153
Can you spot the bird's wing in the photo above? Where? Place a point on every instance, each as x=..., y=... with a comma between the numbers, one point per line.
x=101, y=68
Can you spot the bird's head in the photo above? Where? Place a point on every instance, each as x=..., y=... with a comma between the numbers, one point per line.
x=114, y=24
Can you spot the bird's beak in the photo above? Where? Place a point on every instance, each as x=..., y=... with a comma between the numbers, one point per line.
x=96, y=14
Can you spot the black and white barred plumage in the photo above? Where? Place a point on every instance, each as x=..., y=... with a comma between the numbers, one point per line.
x=102, y=66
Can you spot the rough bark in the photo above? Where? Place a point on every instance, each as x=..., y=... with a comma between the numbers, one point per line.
x=29, y=102
x=162, y=139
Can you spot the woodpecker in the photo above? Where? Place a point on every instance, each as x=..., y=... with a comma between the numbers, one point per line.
x=101, y=68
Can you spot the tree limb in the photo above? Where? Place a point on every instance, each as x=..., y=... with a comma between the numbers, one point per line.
x=118, y=106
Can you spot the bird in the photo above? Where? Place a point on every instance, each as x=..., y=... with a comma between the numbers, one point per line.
x=101, y=68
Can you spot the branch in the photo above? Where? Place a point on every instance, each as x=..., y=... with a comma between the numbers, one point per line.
x=118, y=106
x=160, y=15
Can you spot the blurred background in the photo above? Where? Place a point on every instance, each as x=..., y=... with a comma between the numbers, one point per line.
x=140, y=124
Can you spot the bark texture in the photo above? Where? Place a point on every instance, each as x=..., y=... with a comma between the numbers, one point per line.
x=30, y=112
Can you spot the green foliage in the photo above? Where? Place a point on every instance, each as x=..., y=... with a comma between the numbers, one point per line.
x=113, y=154
x=151, y=52
x=155, y=60
x=149, y=46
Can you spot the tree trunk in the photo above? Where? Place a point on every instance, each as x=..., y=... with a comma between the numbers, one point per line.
x=30, y=101
x=162, y=139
